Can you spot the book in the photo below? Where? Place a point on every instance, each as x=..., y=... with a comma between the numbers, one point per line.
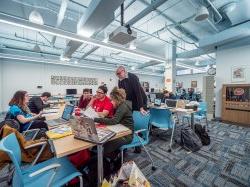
x=59, y=132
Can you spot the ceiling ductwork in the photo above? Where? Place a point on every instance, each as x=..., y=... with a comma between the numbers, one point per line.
x=226, y=37
x=98, y=15
x=237, y=12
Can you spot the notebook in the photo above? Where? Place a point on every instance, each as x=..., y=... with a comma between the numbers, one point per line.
x=85, y=129
x=67, y=112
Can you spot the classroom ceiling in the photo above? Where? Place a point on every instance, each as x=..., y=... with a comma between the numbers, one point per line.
x=157, y=22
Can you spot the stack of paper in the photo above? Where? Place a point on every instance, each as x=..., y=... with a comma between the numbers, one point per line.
x=91, y=113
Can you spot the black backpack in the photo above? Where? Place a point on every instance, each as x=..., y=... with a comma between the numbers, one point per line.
x=189, y=140
x=203, y=135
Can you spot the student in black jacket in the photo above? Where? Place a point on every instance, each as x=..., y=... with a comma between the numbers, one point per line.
x=36, y=103
x=134, y=91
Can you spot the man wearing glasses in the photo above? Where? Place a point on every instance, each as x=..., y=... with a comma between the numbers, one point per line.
x=101, y=103
x=135, y=93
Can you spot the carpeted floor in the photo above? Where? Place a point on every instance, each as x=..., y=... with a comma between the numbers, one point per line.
x=225, y=162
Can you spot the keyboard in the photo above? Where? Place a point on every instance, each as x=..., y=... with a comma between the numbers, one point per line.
x=103, y=134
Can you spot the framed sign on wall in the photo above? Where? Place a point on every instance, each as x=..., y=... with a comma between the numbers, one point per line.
x=193, y=84
x=238, y=74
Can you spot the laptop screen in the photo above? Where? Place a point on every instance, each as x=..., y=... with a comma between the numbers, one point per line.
x=68, y=110
x=157, y=102
x=171, y=102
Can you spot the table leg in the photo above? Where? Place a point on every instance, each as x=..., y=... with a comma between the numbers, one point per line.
x=100, y=164
x=192, y=120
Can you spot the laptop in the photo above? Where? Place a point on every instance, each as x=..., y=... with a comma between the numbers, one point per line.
x=85, y=129
x=157, y=102
x=67, y=112
x=171, y=103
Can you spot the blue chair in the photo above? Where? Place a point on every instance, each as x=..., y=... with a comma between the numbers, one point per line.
x=162, y=118
x=141, y=126
x=200, y=114
x=53, y=172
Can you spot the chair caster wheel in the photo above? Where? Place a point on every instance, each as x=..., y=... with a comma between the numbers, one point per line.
x=169, y=150
x=153, y=168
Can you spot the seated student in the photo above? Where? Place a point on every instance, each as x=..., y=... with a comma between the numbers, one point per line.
x=168, y=95
x=36, y=103
x=84, y=99
x=123, y=115
x=101, y=103
x=19, y=111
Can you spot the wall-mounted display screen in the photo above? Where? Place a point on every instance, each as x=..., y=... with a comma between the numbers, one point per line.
x=71, y=91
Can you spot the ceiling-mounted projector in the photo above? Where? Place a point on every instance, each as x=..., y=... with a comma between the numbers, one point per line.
x=122, y=35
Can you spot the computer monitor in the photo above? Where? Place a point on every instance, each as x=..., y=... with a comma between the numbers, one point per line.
x=157, y=102
x=159, y=95
x=71, y=91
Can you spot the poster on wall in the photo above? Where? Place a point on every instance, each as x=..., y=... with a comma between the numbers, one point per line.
x=193, y=84
x=238, y=74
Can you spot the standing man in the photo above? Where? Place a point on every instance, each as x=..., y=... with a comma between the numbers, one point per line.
x=134, y=91
x=36, y=103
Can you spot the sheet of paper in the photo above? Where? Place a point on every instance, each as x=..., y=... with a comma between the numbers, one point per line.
x=91, y=113
x=117, y=128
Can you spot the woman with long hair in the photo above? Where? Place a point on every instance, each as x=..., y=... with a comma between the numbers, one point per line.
x=123, y=115
x=19, y=111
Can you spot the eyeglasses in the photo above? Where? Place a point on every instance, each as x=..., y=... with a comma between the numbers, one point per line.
x=119, y=73
x=99, y=92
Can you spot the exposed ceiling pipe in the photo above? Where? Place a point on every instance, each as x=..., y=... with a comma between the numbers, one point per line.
x=139, y=16
x=95, y=48
x=217, y=13
x=98, y=15
x=11, y=20
x=60, y=17
x=226, y=37
x=178, y=27
x=56, y=62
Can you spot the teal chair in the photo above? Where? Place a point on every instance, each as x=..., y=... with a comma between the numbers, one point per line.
x=141, y=126
x=200, y=115
x=53, y=172
x=162, y=118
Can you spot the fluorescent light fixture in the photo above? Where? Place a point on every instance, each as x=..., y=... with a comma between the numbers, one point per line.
x=197, y=63
x=63, y=58
x=76, y=62
x=35, y=17
x=56, y=62
x=133, y=68
x=132, y=46
x=71, y=36
x=84, y=33
x=189, y=67
x=105, y=40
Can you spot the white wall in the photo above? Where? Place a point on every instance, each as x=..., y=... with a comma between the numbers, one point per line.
x=1, y=85
x=186, y=79
x=28, y=75
x=225, y=59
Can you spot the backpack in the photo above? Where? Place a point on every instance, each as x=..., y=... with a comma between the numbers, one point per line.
x=189, y=140
x=203, y=135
